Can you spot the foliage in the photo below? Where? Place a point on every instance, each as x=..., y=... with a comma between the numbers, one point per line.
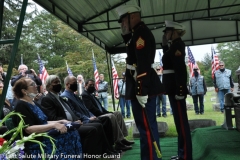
x=14, y=148
x=11, y=14
x=230, y=54
x=56, y=43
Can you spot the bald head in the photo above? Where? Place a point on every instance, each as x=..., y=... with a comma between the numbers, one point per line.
x=70, y=83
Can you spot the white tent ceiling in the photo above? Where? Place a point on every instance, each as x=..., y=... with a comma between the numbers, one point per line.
x=206, y=21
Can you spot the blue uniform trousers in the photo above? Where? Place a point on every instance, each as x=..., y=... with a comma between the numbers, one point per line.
x=146, y=143
x=179, y=110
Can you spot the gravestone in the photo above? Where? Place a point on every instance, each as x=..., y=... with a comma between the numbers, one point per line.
x=162, y=129
x=200, y=123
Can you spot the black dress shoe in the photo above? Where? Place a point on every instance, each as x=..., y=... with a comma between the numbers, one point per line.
x=158, y=115
x=120, y=146
x=126, y=142
x=117, y=151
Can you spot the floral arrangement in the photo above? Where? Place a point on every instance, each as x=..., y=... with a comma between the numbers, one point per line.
x=13, y=149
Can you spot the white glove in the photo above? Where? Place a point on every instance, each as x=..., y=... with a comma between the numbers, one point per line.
x=179, y=97
x=142, y=100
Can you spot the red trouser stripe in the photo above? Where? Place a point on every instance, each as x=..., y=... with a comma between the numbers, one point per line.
x=182, y=129
x=148, y=136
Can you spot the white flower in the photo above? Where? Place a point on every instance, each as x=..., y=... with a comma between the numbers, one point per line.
x=15, y=149
x=65, y=98
x=69, y=125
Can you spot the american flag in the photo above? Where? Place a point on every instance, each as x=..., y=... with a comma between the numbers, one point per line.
x=215, y=62
x=96, y=75
x=42, y=70
x=69, y=70
x=191, y=63
x=160, y=57
x=21, y=58
x=115, y=80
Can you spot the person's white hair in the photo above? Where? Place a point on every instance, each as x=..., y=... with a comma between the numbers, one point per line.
x=221, y=62
x=81, y=76
x=49, y=80
x=21, y=66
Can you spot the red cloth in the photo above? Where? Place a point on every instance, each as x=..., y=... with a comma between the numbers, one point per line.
x=1, y=141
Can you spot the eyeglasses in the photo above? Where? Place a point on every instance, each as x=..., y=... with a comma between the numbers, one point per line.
x=221, y=65
x=158, y=69
x=33, y=84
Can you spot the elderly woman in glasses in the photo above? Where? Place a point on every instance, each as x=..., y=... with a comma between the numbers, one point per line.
x=67, y=142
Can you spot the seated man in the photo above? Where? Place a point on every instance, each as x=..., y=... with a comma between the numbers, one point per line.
x=79, y=106
x=95, y=107
x=56, y=108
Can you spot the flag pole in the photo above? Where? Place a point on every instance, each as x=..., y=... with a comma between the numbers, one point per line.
x=21, y=58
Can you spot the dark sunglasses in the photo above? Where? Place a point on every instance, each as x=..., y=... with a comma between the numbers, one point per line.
x=158, y=69
x=221, y=65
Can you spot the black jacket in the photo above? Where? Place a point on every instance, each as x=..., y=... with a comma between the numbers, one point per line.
x=141, y=50
x=174, y=59
x=90, y=102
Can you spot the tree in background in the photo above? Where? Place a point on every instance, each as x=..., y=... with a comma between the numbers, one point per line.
x=11, y=14
x=206, y=69
x=230, y=54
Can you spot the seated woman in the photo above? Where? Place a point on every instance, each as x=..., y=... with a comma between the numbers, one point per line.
x=67, y=143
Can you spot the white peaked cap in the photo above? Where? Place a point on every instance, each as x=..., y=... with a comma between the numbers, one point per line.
x=126, y=9
x=174, y=25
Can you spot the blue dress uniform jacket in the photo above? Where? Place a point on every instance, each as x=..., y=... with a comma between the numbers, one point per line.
x=174, y=59
x=141, y=49
x=141, y=53
x=175, y=83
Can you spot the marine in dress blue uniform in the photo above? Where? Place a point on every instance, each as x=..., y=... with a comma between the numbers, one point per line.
x=175, y=83
x=142, y=82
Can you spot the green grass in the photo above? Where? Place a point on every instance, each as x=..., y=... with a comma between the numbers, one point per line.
x=209, y=113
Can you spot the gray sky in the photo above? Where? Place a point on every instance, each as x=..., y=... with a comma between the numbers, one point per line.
x=198, y=51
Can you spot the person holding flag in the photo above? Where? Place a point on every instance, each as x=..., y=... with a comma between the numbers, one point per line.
x=175, y=83
x=198, y=89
